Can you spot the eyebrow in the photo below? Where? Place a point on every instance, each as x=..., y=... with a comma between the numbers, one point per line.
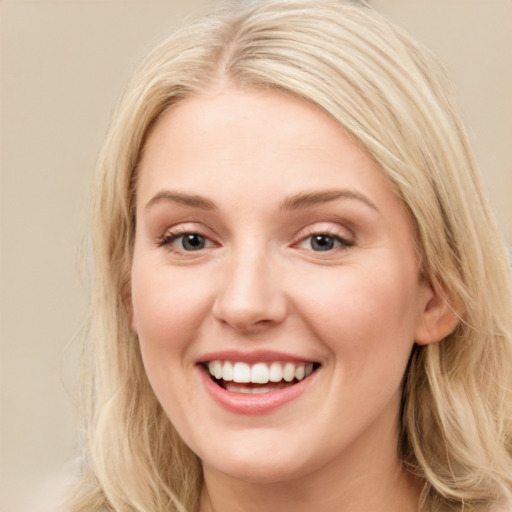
x=307, y=199
x=295, y=202
x=193, y=200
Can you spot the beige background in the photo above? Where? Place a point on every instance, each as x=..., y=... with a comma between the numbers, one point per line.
x=62, y=66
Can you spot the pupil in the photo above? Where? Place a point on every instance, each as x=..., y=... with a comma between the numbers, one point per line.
x=322, y=243
x=193, y=242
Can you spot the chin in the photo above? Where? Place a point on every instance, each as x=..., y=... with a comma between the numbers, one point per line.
x=265, y=473
x=263, y=466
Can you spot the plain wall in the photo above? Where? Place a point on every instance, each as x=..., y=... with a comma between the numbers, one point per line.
x=63, y=64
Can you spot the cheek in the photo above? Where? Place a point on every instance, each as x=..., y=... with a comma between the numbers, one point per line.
x=166, y=305
x=167, y=310
x=364, y=313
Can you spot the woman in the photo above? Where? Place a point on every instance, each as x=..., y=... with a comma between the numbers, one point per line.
x=302, y=301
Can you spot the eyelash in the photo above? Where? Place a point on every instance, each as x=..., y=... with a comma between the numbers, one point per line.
x=169, y=238
x=344, y=243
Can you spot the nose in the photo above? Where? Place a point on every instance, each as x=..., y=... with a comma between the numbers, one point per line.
x=250, y=297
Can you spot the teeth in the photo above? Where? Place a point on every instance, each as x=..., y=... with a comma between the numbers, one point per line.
x=249, y=391
x=215, y=368
x=275, y=372
x=259, y=373
x=227, y=371
x=300, y=371
x=289, y=372
x=241, y=372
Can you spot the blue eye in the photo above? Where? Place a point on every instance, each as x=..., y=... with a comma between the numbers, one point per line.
x=192, y=241
x=322, y=242
x=184, y=242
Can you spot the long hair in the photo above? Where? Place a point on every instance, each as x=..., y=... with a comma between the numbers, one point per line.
x=392, y=97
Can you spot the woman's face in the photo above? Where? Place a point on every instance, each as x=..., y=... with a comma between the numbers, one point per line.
x=271, y=251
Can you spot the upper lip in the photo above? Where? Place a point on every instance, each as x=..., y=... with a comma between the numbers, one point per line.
x=254, y=356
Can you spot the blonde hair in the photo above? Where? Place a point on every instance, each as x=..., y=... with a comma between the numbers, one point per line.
x=392, y=97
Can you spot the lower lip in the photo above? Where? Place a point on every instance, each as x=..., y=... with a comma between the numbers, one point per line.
x=251, y=404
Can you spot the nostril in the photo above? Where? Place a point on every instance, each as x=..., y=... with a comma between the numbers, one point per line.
x=247, y=320
x=248, y=298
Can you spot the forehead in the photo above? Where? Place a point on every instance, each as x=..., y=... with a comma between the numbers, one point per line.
x=249, y=117
x=234, y=136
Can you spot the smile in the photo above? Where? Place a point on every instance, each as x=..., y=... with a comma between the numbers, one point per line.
x=259, y=377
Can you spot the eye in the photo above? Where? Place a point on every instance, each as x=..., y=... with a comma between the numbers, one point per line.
x=323, y=242
x=191, y=241
x=185, y=242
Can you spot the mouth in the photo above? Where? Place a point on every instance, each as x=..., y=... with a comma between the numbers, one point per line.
x=259, y=377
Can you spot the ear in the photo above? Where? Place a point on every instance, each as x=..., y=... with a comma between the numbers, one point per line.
x=438, y=318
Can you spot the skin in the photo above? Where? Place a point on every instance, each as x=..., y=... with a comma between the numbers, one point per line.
x=258, y=283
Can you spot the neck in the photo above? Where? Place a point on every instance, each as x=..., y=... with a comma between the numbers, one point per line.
x=369, y=478
x=397, y=492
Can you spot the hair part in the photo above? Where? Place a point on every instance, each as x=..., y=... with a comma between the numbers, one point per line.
x=392, y=97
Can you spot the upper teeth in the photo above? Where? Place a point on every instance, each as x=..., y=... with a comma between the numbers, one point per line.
x=259, y=373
